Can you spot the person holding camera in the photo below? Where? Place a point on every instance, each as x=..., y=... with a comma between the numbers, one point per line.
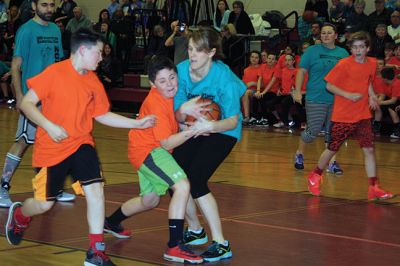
x=179, y=40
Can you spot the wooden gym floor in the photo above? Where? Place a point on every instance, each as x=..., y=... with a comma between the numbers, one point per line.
x=266, y=211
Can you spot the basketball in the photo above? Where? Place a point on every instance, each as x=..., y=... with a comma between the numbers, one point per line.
x=213, y=114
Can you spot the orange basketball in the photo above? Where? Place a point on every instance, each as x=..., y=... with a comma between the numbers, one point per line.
x=213, y=114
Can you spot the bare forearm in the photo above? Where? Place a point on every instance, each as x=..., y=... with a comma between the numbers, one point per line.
x=336, y=90
x=300, y=79
x=225, y=124
x=116, y=120
x=31, y=111
x=170, y=40
x=16, y=80
x=176, y=140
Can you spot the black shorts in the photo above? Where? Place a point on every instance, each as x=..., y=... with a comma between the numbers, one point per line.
x=83, y=165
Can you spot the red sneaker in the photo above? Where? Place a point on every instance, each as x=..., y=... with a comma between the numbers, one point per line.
x=181, y=253
x=376, y=193
x=314, y=182
x=116, y=230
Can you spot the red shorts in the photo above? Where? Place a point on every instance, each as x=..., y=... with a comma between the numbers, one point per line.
x=361, y=131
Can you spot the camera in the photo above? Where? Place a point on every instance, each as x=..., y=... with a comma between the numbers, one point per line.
x=182, y=27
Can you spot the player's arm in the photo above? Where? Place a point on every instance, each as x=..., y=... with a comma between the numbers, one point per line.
x=372, y=99
x=119, y=121
x=340, y=92
x=204, y=127
x=192, y=108
x=301, y=73
x=16, y=78
x=31, y=111
x=177, y=139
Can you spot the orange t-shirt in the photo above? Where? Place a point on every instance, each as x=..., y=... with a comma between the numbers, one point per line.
x=394, y=61
x=251, y=74
x=71, y=101
x=267, y=73
x=353, y=77
x=143, y=141
x=380, y=86
x=281, y=60
x=288, y=79
x=393, y=89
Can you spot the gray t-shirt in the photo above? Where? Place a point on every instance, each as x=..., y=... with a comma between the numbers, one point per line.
x=181, y=49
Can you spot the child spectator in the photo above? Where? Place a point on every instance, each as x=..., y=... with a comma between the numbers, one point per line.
x=251, y=77
x=354, y=96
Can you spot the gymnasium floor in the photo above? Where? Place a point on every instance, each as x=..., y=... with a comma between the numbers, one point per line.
x=266, y=211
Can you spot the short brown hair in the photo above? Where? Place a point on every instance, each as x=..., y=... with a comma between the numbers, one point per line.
x=207, y=39
x=359, y=36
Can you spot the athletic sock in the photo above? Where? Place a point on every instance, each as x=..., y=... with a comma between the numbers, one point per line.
x=318, y=171
x=195, y=231
x=20, y=218
x=11, y=163
x=117, y=217
x=95, y=238
x=373, y=181
x=175, y=232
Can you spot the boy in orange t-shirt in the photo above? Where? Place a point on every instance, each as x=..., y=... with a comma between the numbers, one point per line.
x=351, y=115
x=71, y=95
x=149, y=151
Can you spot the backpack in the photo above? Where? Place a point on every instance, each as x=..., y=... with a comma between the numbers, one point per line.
x=274, y=18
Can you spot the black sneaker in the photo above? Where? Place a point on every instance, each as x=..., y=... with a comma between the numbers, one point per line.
x=98, y=257
x=116, y=230
x=14, y=231
x=216, y=252
x=191, y=238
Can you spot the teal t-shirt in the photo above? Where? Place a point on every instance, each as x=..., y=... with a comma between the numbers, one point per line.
x=318, y=60
x=38, y=46
x=220, y=85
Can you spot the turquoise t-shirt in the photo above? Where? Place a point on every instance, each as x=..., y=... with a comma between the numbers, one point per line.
x=318, y=61
x=38, y=46
x=220, y=85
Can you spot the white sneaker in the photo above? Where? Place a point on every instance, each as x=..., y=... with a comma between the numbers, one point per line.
x=65, y=197
x=279, y=124
x=395, y=136
x=5, y=201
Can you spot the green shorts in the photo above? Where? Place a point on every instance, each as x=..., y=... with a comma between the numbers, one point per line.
x=159, y=172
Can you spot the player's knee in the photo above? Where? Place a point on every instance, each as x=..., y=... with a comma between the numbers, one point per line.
x=94, y=191
x=44, y=206
x=150, y=201
x=369, y=151
x=182, y=187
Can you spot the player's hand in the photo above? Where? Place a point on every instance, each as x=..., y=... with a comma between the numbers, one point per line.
x=258, y=95
x=354, y=97
x=194, y=108
x=202, y=127
x=373, y=102
x=57, y=133
x=297, y=97
x=146, y=122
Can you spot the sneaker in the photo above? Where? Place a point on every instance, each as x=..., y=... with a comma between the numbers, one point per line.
x=217, y=251
x=14, y=231
x=5, y=201
x=65, y=197
x=245, y=121
x=279, y=124
x=314, y=183
x=299, y=161
x=292, y=124
x=262, y=122
x=395, y=135
x=192, y=238
x=182, y=253
x=116, y=230
x=252, y=121
x=376, y=193
x=97, y=257
x=334, y=168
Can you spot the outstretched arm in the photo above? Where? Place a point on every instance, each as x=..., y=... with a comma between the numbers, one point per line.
x=119, y=121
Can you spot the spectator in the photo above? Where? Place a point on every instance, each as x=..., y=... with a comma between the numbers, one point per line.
x=4, y=84
x=13, y=23
x=232, y=48
x=65, y=36
x=78, y=21
x=315, y=36
x=65, y=9
x=221, y=15
x=336, y=11
x=16, y=3
x=320, y=7
x=394, y=28
x=122, y=26
x=179, y=40
x=156, y=45
x=358, y=20
x=304, y=24
x=26, y=11
x=113, y=6
x=381, y=15
x=379, y=40
x=108, y=35
x=104, y=16
x=109, y=70
x=240, y=19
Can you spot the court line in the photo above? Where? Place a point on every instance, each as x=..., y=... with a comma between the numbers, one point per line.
x=284, y=228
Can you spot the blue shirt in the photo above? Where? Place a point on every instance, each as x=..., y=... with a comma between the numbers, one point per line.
x=220, y=85
x=39, y=46
x=318, y=60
